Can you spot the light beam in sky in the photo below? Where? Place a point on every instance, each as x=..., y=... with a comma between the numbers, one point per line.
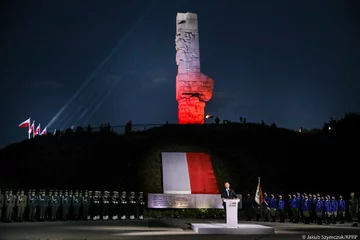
x=96, y=71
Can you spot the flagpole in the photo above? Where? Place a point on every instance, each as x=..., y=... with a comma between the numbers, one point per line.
x=29, y=131
x=259, y=179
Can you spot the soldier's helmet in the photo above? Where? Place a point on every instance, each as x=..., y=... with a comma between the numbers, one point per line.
x=22, y=192
x=123, y=194
x=76, y=192
x=116, y=193
x=66, y=192
x=141, y=194
x=55, y=192
x=132, y=194
x=71, y=192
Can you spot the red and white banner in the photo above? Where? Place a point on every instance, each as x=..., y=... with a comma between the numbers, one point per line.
x=43, y=132
x=188, y=173
x=259, y=198
x=37, y=130
x=32, y=128
x=25, y=124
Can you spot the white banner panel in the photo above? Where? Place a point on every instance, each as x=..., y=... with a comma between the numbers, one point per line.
x=175, y=170
x=159, y=200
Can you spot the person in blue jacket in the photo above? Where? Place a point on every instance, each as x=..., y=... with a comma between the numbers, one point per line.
x=306, y=209
x=313, y=206
x=289, y=211
x=266, y=208
x=328, y=210
x=335, y=208
x=273, y=207
x=281, y=209
x=295, y=208
x=319, y=208
x=342, y=210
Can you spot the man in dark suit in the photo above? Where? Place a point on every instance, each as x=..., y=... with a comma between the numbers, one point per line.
x=227, y=194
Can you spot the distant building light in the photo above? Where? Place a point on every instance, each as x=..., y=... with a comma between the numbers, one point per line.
x=208, y=116
x=329, y=128
x=300, y=129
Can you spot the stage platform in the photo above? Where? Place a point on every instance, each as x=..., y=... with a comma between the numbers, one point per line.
x=242, y=229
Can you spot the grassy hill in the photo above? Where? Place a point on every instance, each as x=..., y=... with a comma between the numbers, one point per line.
x=285, y=160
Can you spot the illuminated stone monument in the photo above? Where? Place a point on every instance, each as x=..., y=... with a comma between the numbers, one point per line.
x=193, y=89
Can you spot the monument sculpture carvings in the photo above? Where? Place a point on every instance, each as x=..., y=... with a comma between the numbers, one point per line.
x=193, y=89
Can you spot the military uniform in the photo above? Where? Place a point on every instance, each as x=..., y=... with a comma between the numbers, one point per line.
x=295, y=202
x=65, y=206
x=335, y=208
x=132, y=205
x=319, y=208
x=123, y=208
x=266, y=207
x=48, y=208
x=85, y=205
x=9, y=205
x=90, y=194
x=76, y=203
x=105, y=202
x=32, y=204
x=289, y=210
x=306, y=208
x=59, y=212
x=328, y=210
x=281, y=209
x=354, y=210
x=21, y=202
x=42, y=204
x=95, y=205
x=54, y=205
x=273, y=206
x=1, y=205
x=141, y=205
x=114, y=205
x=342, y=210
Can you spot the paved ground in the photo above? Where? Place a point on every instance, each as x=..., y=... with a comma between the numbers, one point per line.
x=176, y=229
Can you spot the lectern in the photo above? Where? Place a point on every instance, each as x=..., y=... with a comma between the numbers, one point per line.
x=231, y=212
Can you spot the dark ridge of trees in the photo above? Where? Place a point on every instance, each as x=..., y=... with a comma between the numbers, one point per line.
x=286, y=161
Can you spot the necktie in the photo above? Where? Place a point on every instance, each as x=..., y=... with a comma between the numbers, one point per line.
x=227, y=191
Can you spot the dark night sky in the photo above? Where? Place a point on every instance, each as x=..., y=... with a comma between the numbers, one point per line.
x=296, y=63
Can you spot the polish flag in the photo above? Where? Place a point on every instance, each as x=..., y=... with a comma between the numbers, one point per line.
x=43, y=132
x=37, y=130
x=25, y=124
x=259, y=198
x=188, y=173
x=32, y=127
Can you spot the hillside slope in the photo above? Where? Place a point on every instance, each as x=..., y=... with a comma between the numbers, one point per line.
x=285, y=160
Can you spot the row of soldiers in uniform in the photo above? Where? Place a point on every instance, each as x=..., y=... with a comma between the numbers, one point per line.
x=55, y=205
x=306, y=208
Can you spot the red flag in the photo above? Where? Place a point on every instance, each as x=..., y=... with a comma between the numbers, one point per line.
x=37, y=130
x=43, y=132
x=259, y=198
x=31, y=129
x=25, y=124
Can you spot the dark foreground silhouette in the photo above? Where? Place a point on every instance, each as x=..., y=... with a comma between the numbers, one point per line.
x=285, y=160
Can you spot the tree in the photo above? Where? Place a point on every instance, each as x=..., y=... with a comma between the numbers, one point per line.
x=273, y=125
x=217, y=120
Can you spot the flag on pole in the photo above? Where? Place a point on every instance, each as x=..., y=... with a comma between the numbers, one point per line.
x=32, y=128
x=259, y=198
x=37, y=130
x=25, y=124
x=43, y=132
